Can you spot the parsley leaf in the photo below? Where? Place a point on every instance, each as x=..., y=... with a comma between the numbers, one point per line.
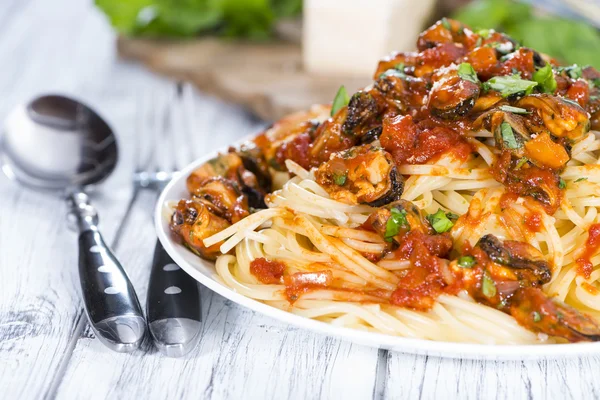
x=545, y=78
x=466, y=72
x=509, y=85
x=522, y=161
x=508, y=136
x=562, y=184
x=515, y=110
x=466, y=261
x=340, y=179
x=396, y=221
x=580, y=180
x=446, y=24
x=537, y=316
x=340, y=100
x=484, y=33
x=488, y=287
x=440, y=221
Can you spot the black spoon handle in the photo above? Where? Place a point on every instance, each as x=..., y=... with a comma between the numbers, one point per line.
x=173, y=306
x=110, y=301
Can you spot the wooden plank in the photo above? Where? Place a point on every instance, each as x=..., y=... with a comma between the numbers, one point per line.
x=410, y=376
x=241, y=354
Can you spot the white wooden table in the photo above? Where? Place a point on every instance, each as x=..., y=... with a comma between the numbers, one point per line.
x=46, y=347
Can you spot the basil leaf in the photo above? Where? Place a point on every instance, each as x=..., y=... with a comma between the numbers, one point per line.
x=509, y=85
x=340, y=100
x=440, y=222
x=545, y=78
x=340, y=179
x=508, y=136
x=396, y=221
x=488, y=287
x=515, y=110
x=466, y=261
x=466, y=72
x=562, y=184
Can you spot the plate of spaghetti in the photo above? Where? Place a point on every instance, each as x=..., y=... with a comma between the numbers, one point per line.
x=450, y=208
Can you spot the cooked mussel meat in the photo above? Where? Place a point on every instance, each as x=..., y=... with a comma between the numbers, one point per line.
x=562, y=117
x=192, y=222
x=364, y=174
x=452, y=96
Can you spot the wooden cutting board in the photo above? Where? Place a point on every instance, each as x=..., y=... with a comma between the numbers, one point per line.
x=267, y=78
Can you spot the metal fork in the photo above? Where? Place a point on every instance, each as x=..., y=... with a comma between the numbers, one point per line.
x=173, y=301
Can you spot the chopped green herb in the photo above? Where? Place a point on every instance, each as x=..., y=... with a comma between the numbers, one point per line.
x=515, y=110
x=452, y=216
x=508, y=136
x=537, y=317
x=488, y=287
x=545, y=78
x=466, y=72
x=562, y=184
x=484, y=33
x=466, y=261
x=522, y=161
x=340, y=179
x=340, y=100
x=479, y=42
x=580, y=180
x=446, y=24
x=399, y=67
x=397, y=72
x=595, y=82
x=509, y=85
x=440, y=221
x=502, y=48
x=396, y=221
x=574, y=71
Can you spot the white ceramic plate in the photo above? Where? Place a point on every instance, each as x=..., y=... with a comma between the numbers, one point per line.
x=204, y=272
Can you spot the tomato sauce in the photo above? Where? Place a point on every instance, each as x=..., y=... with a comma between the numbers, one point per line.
x=533, y=221
x=584, y=265
x=267, y=271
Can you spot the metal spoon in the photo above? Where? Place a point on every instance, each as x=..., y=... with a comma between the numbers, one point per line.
x=58, y=144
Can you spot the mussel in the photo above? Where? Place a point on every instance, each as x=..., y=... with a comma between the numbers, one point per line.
x=509, y=276
x=361, y=109
x=223, y=198
x=364, y=174
x=412, y=219
x=524, y=261
x=192, y=222
x=562, y=117
x=451, y=96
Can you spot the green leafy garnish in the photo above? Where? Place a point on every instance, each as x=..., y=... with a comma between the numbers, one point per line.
x=595, y=82
x=440, y=221
x=340, y=100
x=446, y=24
x=509, y=85
x=466, y=72
x=580, y=180
x=484, y=33
x=488, y=287
x=396, y=221
x=562, y=184
x=522, y=161
x=340, y=179
x=466, y=261
x=569, y=41
x=537, y=317
x=508, y=136
x=397, y=72
x=515, y=110
x=253, y=19
x=574, y=71
x=545, y=78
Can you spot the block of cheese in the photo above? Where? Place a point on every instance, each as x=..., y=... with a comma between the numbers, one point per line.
x=349, y=37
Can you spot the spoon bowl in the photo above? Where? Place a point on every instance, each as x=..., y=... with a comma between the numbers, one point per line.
x=55, y=143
